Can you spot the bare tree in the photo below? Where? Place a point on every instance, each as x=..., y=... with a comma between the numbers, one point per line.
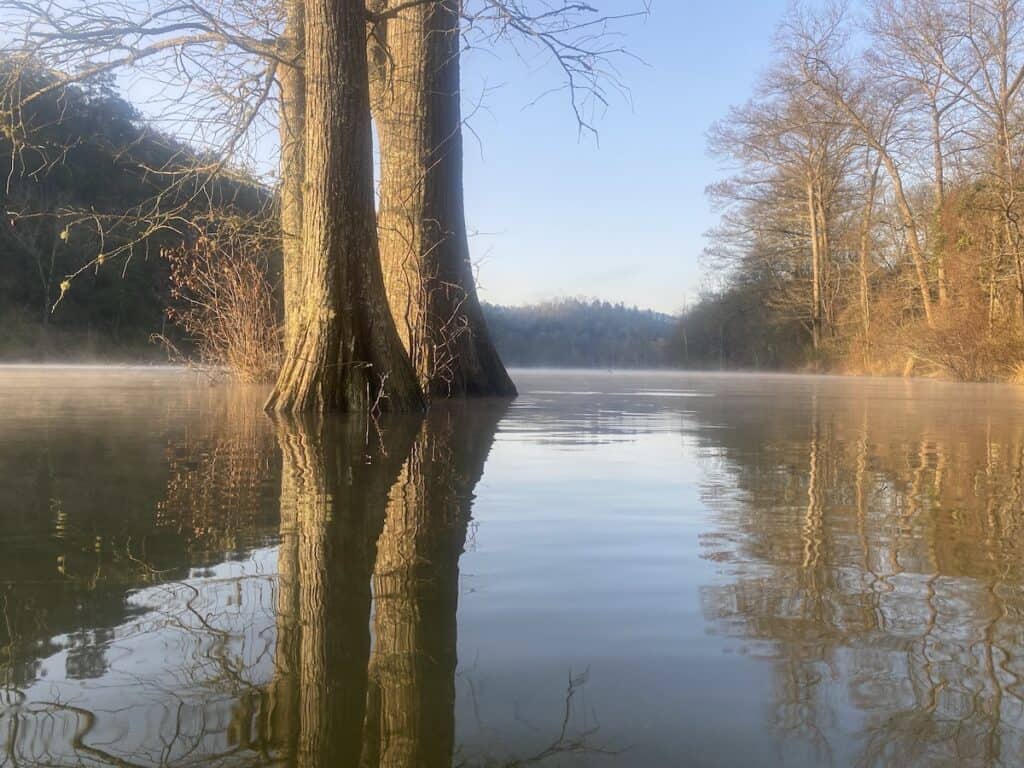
x=915, y=45
x=792, y=153
x=414, y=58
x=415, y=51
x=220, y=67
x=991, y=73
x=878, y=114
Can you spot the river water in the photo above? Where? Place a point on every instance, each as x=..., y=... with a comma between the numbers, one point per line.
x=616, y=569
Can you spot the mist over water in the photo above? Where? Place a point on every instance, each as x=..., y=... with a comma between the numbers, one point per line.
x=636, y=569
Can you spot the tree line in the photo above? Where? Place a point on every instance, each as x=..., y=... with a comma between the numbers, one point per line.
x=872, y=219
x=584, y=334
x=380, y=312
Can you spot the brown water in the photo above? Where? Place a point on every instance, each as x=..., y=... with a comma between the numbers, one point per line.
x=616, y=569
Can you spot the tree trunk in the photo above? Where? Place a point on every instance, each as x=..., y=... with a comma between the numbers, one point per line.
x=938, y=220
x=292, y=117
x=343, y=353
x=812, y=218
x=913, y=241
x=422, y=227
x=864, y=266
x=826, y=311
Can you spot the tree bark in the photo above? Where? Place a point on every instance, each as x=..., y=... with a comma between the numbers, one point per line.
x=864, y=265
x=824, y=263
x=422, y=228
x=292, y=118
x=343, y=353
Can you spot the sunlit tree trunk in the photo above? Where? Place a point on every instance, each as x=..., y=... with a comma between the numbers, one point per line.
x=864, y=262
x=939, y=202
x=342, y=353
x=292, y=117
x=414, y=59
x=825, y=260
x=812, y=219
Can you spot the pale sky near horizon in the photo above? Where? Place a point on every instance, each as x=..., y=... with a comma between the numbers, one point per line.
x=558, y=215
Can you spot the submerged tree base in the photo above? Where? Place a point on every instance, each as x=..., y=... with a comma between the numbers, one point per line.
x=318, y=375
x=343, y=352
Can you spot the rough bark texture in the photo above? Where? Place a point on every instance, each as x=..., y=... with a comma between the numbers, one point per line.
x=422, y=227
x=343, y=352
x=292, y=119
x=410, y=718
x=334, y=487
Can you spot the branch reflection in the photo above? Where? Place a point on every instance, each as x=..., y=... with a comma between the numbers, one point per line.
x=874, y=553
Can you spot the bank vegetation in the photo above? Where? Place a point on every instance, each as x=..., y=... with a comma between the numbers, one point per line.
x=871, y=221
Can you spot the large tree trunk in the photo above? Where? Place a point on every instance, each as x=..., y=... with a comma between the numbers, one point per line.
x=343, y=352
x=422, y=227
x=292, y=118
x=410, y=719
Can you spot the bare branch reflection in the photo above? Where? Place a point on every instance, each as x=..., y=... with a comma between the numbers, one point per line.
x=880, y=571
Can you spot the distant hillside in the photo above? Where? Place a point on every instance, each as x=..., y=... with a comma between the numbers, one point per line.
x=581, y=334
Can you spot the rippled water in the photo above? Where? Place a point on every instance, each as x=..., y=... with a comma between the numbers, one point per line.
x=615, y=569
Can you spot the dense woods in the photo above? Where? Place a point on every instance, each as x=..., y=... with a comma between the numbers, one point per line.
x=871, y=221
x=579, y=334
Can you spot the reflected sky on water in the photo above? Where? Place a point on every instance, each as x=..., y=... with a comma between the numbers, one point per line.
x=644, y=569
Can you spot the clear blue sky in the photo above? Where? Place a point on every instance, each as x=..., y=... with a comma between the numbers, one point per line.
x=623, y=221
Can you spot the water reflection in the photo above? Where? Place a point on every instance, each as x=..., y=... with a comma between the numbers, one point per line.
x=230, y=637
x=334, y=493
x=873, y=552
x=831, y=569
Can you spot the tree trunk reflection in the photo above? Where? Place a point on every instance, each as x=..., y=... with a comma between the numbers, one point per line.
x=391, y=508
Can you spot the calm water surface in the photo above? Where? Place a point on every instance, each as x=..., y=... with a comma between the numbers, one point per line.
x=615, y=569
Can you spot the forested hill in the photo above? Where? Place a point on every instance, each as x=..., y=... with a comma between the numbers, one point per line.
x=91, y=194
x=580, y=334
